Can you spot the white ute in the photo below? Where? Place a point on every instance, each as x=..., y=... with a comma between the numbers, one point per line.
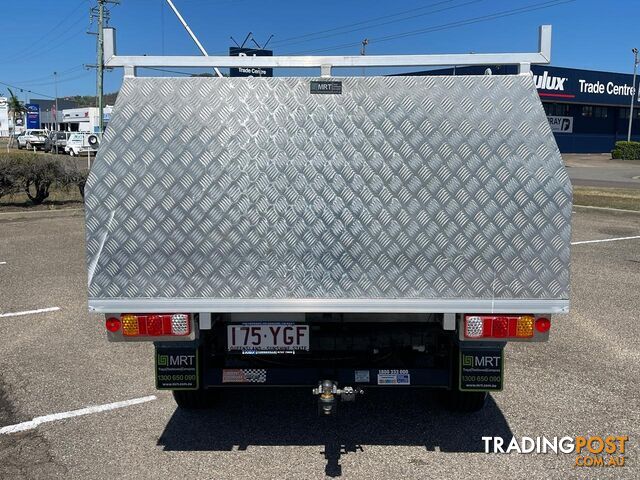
x=337, y=233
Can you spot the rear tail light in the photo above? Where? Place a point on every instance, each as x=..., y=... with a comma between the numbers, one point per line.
x=503, y=326
x=525, y=326
x=500, y=327
x=152, y=325
x=130, y=325
x=474, y=327
x=180, y=324
x=112, y=324
x=543, y=325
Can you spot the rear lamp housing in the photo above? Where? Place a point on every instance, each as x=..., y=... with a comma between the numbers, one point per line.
x=504, y=327
x=543, y=324
x=151, y=324
x=112, y=324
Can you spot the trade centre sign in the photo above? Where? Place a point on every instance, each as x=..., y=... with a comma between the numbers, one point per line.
x=583, y=86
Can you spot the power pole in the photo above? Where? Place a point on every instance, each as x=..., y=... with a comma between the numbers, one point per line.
x=633, y=90
x=363, y=50
x=55, y=81
x=102, y=15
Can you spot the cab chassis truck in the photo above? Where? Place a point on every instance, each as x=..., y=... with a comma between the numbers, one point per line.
x=336, y=233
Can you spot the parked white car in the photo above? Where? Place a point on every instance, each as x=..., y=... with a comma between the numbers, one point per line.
x=79, y=143
x=32, y=139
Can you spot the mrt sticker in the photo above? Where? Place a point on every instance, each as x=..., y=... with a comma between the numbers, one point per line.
x=481, y=369
x=176, y=368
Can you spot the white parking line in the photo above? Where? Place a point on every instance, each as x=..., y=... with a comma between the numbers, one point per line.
x=29, y=312
x=605, y=240
x=30, y=425
x=3, y=263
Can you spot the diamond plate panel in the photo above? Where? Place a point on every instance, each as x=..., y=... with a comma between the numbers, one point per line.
x=399, y=188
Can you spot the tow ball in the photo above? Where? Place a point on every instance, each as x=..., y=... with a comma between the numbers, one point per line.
x=328, y=394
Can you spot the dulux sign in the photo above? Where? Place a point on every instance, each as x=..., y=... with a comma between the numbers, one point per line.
x=583, y=86
x=33, y=115
x=565, y=85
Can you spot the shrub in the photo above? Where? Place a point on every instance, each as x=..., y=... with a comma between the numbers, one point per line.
x=9, y=176
x=626, y=151
x=37, y=173
x=72, y=175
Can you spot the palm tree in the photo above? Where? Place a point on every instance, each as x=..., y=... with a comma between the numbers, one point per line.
x=16, y=108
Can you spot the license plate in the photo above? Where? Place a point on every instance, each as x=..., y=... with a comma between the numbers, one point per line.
x=268, y=337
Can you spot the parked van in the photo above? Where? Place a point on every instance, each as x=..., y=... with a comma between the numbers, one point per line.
x=79, y=143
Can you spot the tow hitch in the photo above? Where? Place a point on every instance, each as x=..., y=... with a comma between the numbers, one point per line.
x=329, y=392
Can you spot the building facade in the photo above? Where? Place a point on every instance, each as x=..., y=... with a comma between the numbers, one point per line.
x=85, y=119
x=588, y=110
x=4, y=117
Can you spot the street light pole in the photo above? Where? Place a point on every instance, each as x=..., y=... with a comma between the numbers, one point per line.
x=55, y=82
x=100, y=64
x=633, y=91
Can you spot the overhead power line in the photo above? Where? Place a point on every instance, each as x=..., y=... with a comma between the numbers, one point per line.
x=55, y=43
x=445, y=26
x=47, y=79
x=64, y=80
x=379, y=24
x=349, y=27
x=39, y=44
x=15, y=87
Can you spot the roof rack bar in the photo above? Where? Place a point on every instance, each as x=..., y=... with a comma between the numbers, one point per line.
x=523, y=60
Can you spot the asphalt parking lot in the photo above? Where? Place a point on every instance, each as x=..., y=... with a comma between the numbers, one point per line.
x=584, y=381
x=600, y=170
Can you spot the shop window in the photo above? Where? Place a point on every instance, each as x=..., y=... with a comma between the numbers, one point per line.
x=624, y=113
x=556, y=109
x=587, y=111
x=600, y=112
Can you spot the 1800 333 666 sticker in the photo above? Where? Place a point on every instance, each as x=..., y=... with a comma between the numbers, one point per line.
x=394, y=377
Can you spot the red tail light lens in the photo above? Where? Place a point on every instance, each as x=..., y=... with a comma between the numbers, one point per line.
x=112, y=324
x=500, y=327
x=543, y=325
x=155, y=325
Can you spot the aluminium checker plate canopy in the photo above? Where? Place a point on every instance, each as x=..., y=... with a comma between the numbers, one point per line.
x=399, y=194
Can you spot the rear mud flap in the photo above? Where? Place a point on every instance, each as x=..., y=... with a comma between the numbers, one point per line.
x=480, y=368
x=177, y=366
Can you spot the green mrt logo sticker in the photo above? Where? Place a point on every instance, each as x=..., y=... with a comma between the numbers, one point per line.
x=163, y=360
x=467, y=360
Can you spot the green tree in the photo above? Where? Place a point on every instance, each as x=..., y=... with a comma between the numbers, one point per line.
x=16, y=109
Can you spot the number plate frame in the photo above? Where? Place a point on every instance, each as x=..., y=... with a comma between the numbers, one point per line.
x=268, y=337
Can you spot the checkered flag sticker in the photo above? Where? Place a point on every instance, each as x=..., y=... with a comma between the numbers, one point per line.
x=244, y=375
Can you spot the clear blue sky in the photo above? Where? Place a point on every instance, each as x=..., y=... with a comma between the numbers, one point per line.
x=49, y=35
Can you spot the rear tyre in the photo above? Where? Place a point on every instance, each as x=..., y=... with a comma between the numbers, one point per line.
x=459, y=401
x=72, y=153
x=194, y=399
x=465, y=401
